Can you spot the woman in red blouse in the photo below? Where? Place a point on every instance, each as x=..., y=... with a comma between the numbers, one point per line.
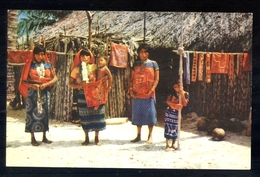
x=37, y=77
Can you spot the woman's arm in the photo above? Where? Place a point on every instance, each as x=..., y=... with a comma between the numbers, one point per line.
x=34, y=86
x=51, y=82
x=75, y=85
x=156, y=81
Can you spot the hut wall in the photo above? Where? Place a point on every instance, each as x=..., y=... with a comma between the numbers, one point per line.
x=62, y=94
x=118, y=104
x=220, y=98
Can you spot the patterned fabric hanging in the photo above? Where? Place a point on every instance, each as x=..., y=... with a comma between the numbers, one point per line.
x=247, y=62
x=194, y=67
x=201, y=66
x=231, y=70
x=240, y=65
x=208, y=71
x=187, y=68
x=220, y=62
x=119, y=55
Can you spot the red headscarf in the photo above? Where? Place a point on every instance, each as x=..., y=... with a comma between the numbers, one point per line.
x=77, y=61
x=23, y=88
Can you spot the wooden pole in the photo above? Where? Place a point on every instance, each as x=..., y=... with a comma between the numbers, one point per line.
x=181, y=83
x=144, y=27
x=90, y=18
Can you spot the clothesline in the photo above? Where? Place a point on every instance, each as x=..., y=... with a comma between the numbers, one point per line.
x=207, y=52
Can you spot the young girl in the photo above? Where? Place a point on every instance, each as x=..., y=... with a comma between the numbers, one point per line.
x=171, y=113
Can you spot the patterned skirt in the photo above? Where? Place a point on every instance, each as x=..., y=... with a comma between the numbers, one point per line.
x=171, y=124
x=35, y=121
x=143, y=112
x=91, y=120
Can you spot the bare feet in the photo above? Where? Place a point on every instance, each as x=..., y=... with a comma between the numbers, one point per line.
x=137, y=139
x=45, y=140
x=167, y=148
x=150, y=139
x=174, y=146
x=97, y=142
x=35, y=143
x=86, y=142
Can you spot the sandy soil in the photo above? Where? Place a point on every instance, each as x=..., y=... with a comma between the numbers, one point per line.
x=197, y=150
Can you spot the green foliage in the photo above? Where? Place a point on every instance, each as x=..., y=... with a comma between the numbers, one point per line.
x=33, y=20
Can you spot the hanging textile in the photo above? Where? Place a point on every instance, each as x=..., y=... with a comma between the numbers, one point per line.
x=52, y=57
x=231, y=70
x=118, y=55
x=201, y=66
x=96, y=93
x=187, y=68
x=208, y=72
x=18, y=56
x=194, y=67
x=240, y=65
x=247, y=64
x=220, y=62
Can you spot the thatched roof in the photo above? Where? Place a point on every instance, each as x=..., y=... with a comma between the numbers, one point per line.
x=201, y=31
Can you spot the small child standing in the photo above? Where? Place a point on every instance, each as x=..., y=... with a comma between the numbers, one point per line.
x=103, y=72
x=171, y=113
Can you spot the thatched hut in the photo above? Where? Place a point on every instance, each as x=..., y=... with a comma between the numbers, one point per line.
x=164, y=32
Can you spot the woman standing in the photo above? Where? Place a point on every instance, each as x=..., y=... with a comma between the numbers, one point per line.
x=145, y=78
x=82, y=72
x=37, y=77
x=171, y=113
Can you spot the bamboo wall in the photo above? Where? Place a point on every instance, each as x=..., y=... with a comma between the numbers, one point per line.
x=62, y=94
x=118, y=104
x=220, y=98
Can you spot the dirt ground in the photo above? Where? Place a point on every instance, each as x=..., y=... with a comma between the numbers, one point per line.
x=197, y=150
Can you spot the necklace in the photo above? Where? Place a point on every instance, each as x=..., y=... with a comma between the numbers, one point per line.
x=40, y=69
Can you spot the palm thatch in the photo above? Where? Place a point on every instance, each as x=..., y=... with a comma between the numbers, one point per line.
x=163, y=31
x=201, y=31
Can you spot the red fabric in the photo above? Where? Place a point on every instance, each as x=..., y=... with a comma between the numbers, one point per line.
x=247, y=65
x=51, y=57
x=208, y=73
x=18, y=56
x=240, y=65
x=96, y=93
x=118, y=55
x=143, y=80
x=77, y=61
x=220, y=62
x=23, y=89
x=194, y=67
x=201, y=66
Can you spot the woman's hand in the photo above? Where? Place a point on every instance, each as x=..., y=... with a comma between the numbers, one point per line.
x=43, y=86
x=132, y=94
x=35, y=86
x=78, y=80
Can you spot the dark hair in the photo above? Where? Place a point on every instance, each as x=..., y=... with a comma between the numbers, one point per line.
x=143, y=46
x=175, y=80
x=105, y=58
x=39, y=49
x=84, y=51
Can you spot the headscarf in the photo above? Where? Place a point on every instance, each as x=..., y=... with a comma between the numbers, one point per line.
x=23, y=89
x=77, y=61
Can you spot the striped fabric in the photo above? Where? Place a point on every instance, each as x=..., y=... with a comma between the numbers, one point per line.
x=91, y=120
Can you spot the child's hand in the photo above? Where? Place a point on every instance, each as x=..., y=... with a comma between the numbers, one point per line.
x=78, y=80
x=96, y=108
